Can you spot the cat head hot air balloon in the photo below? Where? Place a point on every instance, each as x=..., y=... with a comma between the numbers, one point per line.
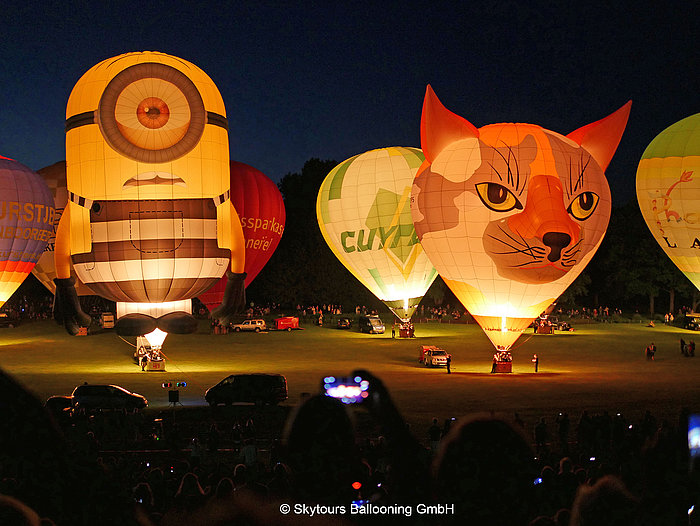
x=510, y=214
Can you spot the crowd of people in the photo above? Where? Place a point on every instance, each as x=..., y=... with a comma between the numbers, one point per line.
x=481, y=470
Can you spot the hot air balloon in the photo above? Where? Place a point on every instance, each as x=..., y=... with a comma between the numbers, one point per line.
x=45, y=270
x=363, y=210
x=149, y=222
x=261, y=209
x=26, y=223
x=668, y=192
x=510, y=214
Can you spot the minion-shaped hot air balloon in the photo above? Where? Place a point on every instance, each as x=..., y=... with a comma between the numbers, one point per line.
x=149, y=222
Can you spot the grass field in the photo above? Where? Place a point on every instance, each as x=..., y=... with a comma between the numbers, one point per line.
x=597, y=367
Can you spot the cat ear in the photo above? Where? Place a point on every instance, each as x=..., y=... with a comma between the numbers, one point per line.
x=602, y=137
x=439, y=126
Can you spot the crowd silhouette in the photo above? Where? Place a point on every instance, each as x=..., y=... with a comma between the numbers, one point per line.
x=477, y=470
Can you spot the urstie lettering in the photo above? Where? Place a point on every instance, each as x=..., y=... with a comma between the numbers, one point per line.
x=18, y=255
x=362, y=240
x=29, y=212
x=10, y=232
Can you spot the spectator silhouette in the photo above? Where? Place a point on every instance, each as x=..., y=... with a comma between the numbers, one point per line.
x=606, y=503
x=321, y=451
x=224, y=489
x=486, y=468
x=14, y=512
x=48, y=472
x=189, y=499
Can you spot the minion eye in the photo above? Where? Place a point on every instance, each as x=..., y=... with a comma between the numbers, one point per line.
x=497, y=197
x=151, y=113
x=583, y=205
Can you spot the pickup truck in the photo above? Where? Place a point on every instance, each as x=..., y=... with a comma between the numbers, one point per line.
x=250, y=325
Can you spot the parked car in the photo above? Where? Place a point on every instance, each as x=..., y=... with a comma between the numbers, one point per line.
x=8, y=320
x=91, y=396
x=344, y=323
x=250, y=325
x=248, y=388
x=59, y=406
x=692, y=321
x=432, y=356
x=371, y=325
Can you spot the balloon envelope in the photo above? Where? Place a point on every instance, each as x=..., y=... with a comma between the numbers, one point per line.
x=260, y=207
x=668, y=192
x=149, y=217
x=45, y=269
x=509, y=214
x=363, y=210
x=26, y=223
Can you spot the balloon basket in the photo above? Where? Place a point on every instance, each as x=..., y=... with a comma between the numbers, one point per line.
x=155, y=365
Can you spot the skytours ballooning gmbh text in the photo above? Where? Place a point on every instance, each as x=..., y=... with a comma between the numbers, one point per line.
x=366, y=508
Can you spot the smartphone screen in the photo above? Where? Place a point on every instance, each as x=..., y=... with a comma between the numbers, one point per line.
x=694, y=435
x=348, y=390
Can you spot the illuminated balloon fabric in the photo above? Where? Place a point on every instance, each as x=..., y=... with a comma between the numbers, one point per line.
x=510, y=214
x=261, y=209
x=45, y=270
x=668, y=192
x=364, y=214
x=149, y=223
x=26, y=222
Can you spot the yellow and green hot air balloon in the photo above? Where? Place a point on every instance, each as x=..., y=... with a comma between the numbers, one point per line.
x=668, y=192
x=364, y=213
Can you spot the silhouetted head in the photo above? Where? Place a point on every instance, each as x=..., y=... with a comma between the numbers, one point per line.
x=607, y=503
x=321, y=452
x=484, y=463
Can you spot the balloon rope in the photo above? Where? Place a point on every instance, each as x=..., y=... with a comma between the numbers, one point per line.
x=126, y=341
x=522, y=343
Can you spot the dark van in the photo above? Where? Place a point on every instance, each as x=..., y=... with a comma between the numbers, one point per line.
x=251, y=388
x=371, y=325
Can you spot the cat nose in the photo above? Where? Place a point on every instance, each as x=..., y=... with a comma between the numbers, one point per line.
x=556, y=241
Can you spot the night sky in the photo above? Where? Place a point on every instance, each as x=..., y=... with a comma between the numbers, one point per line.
x=334, y=79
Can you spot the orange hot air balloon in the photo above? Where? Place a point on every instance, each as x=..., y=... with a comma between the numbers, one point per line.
x=261, y=209
x=510, y=214
x=26, y=223
x=45, y=269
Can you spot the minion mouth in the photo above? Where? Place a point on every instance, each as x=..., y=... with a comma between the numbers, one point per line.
x=148, y=178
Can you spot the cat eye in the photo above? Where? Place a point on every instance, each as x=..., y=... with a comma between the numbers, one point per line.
x=583, y=205
x=497, y=197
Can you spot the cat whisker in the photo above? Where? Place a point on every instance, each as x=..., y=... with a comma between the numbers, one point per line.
x=532, y=251
x=573, y=248
x=527, y=263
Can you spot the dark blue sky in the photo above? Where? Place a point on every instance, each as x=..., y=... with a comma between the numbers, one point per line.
x=334, y=79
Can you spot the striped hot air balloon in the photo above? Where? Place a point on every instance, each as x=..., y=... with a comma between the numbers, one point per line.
x=26, y=223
